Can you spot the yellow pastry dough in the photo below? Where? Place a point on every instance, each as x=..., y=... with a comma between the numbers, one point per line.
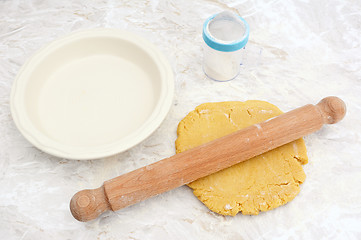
x=259, y=184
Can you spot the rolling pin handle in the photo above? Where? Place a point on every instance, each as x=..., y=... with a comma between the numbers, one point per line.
x=88, y=204
x=332, y=109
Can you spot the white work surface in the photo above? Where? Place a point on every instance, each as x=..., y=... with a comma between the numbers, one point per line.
x=298, y=53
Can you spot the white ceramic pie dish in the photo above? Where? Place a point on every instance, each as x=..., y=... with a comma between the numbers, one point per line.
x=92, y=94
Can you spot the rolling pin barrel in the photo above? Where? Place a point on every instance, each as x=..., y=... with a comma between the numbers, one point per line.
x=206, y=159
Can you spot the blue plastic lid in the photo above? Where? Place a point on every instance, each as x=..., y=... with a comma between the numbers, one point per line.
x=224, y=46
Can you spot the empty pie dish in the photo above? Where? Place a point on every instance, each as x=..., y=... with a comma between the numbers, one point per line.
x=92, y=94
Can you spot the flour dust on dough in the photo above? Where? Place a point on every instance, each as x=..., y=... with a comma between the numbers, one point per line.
x=259, y=184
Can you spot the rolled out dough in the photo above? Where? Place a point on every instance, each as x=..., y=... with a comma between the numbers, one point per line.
x=259, y=184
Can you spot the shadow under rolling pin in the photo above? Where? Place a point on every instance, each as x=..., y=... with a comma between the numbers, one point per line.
x=206, y=159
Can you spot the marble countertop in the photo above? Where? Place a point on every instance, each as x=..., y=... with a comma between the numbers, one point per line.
x=298, y=53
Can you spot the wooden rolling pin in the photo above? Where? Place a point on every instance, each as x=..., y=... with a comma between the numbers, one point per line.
x=206, y=159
